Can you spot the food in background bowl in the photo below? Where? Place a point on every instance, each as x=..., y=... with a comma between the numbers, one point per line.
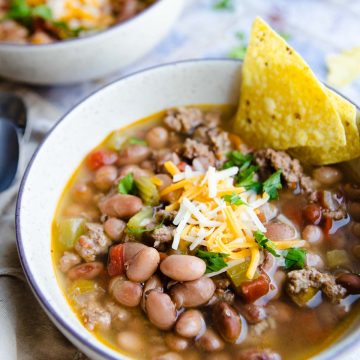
x=42, y=21
x=175, y=236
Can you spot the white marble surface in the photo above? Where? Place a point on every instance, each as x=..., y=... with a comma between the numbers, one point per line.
x=316, y=28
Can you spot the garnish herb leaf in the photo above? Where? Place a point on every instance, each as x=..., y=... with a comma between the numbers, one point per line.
x=265, y=243
x=234, y=199
x=238, y=52
x=236, y=158
x=214, y=261
x=127, y=184
x=136, y=141
x=295, y=258
x=246, y=179
x=21, y=11
x=224, y=5
x=42, y=11
x=272, y=185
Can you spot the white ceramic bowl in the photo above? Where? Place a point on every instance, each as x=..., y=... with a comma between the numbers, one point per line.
x=117, y=105
x=93, y=56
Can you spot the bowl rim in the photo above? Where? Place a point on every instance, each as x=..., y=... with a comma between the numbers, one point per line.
x=338, y=348
x=70, y=41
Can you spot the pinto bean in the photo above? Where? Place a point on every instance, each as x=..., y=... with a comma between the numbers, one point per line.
x=193, y=293
x=157, y=137
x=251, y=312
x=133, y=154
x=114, y=228
x=327, y=175
x=169, y=356
x=279, y=231
x=129, y=341
x=160, y=310
x=154, y=283
x=210, y=341
x=257, y=354
x=354, y=210
x=176, y=342
x=131, y=249
x=352, y=191
x=86, y=271
x=313, y=234
x=183, y=267
x=82, y=193
x=356, y=229
x=190, y=323
x=356, y=251
x=142, y=265
x=227, y=321
x=121, y=206
x=105, y=177
x=351, y=282
x=126, y=292
x=133, y=169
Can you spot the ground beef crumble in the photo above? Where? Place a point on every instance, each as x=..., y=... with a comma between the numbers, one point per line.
x=184, y=119
x=93, y=243
x=292, y=171
x=301, y=280
x=161, y=235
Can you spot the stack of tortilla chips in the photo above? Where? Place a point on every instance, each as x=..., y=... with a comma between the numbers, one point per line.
x=284, y=106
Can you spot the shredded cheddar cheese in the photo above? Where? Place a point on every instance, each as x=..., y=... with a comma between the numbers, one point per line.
x=204, y=218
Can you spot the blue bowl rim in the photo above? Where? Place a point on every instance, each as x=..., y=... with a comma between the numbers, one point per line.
x=59, y=321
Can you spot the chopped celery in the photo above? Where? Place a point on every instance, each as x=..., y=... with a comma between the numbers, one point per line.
x=237, y=274
x=304, y=297
x=82, y=286
x=70, y=230
x=337, y=258
x=147, y=191
x=137, y=223
x=115, y=141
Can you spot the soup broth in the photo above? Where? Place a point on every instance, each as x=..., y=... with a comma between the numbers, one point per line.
x=175, y=240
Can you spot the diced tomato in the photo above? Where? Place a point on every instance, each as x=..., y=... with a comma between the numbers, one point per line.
x=327, y=225
x=101, y=157
x=181, y=165
x=255, y=289
x=116, y=260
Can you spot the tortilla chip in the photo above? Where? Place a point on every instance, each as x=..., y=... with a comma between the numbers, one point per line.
x=334, y=154
x=343, y=68
x=282, y=104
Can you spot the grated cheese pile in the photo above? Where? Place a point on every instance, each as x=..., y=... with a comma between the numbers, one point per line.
x=87, y=14
x=204, y=218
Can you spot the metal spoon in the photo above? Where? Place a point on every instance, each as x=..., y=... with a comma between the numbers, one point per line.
x=12, y=124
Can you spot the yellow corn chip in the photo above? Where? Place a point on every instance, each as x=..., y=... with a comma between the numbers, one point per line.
x=343, y=68
x=282, y=104
x=334, y=154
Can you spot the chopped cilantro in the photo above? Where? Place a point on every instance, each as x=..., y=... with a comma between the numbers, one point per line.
x=272, y=185
x=265, y=243
x=234, y=199
x=214, y=261
x=246, y=179
x=236, y=158
x=238, y=52
x=295, y=258
x=21, y=11
x=136, y=141
x=285, y=35
x=127, y=184
x=42, y=11
x=240, y=35
x=224, y=5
